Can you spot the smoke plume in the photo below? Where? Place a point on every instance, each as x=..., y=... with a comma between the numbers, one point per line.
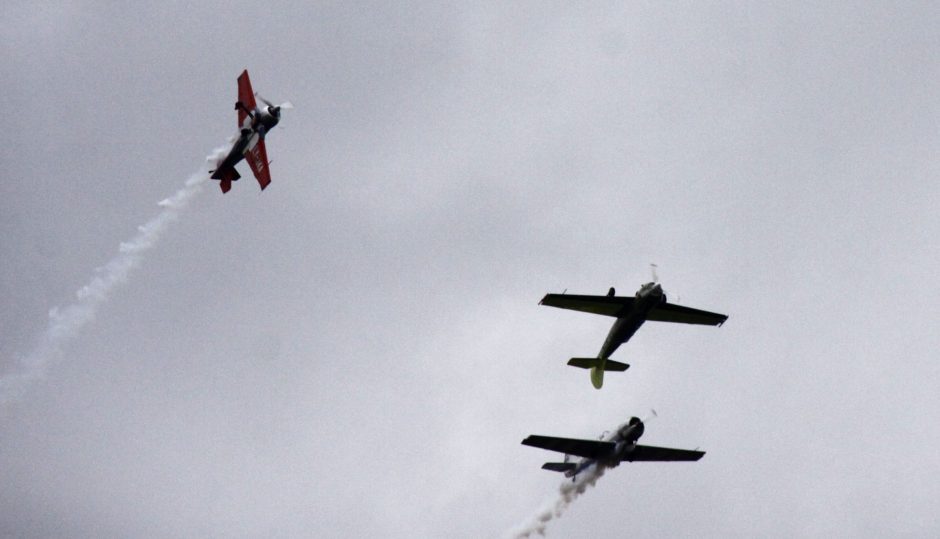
x=568, y=492
x=66, y=322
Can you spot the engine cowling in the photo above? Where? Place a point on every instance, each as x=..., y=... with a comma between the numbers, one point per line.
x=632, y=431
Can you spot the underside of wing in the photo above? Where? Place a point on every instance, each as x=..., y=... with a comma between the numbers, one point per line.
x=605, y=305
x=257, y=158
x=661, y=454
x=591, y=449
x=670, y=312
x=246, y=96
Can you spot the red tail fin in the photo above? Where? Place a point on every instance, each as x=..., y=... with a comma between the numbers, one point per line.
x=225, y=185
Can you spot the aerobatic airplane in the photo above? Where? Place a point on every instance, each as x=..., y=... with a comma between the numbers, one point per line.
x=607, y=453
x=254, y=123
x=648, y=304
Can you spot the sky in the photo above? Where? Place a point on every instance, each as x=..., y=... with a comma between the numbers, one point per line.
x=358, y=350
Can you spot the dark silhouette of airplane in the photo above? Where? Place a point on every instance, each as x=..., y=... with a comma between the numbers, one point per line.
x=631, y=312
x=610, y=452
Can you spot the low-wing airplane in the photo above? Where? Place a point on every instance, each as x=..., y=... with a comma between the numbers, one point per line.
x=254, y=123
x=648, y=304
x=608, y=453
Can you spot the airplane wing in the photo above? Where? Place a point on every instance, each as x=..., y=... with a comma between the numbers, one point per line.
x=670, y=312
x=661, y=454
x=605, y=305
x=257, y=158
x=246, y=96
x=591, y=449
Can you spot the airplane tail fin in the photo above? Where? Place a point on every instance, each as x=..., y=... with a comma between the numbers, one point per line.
x=591, y=362
x=559, y=466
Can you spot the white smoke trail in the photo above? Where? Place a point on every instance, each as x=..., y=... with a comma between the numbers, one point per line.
x=568, y=492
x=66, y=322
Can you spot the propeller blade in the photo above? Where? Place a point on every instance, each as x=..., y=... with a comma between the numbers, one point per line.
x=653, y=271
x=263, y=100
x=285, y=105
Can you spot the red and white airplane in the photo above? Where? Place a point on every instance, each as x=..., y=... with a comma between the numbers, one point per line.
x=254, y=123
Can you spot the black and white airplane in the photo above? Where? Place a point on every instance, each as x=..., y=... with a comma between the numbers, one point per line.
x=609, y=452
x=631, y=312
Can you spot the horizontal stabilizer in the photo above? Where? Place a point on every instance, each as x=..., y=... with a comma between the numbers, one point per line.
x=225, y=176
x=559, y=466
x=230, y=174
x=591, y=362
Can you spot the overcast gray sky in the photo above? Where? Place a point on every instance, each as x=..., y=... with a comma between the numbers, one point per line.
x=358, y=351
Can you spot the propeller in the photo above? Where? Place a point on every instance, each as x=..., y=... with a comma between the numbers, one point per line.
x=655, y=274
x=653, y=415
x=275, y=109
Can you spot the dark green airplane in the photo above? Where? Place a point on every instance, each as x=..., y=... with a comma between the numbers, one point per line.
x=609, y=451
x=631, y=312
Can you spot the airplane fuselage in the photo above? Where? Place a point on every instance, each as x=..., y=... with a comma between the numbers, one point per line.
x=265, y=119
x=625, y=439
x=583, y=464
x=647, y=297
x=237, y=153
x=255, y=128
